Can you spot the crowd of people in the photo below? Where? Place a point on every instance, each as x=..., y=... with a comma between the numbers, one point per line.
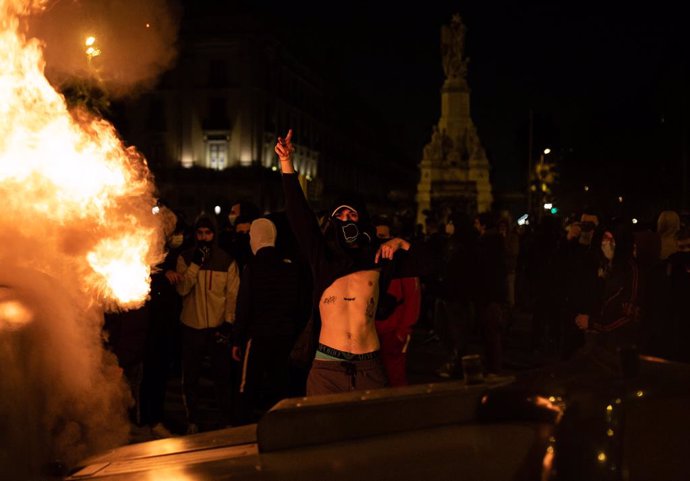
x=275, y=305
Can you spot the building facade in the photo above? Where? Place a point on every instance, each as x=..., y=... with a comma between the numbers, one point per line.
x=208, y=129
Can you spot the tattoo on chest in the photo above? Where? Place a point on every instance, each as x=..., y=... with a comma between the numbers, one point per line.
x=371, y=307
x=349, y=299
x=329, y=300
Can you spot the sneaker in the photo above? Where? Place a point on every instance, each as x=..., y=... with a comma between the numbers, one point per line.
x=160, y=431
x=192, y=428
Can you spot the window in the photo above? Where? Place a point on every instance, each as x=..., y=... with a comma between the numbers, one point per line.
x=216, y=152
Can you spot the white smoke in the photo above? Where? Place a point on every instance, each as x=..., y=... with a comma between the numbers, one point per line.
x=136, y=41
x=63, y=396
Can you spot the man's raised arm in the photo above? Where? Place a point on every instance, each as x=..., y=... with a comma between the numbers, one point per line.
x=302, y=219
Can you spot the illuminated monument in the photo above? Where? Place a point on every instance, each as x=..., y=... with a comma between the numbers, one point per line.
x=454, y=167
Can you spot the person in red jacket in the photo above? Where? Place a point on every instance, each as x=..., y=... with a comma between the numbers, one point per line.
x=394, y=330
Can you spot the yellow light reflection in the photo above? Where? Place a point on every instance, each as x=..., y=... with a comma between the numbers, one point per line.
x=639, y=393
x=14, y=315
x=609, y=432
x=601, y=457
x=90, y=41
x=609, y=408
x=170, y=475
x=547, y=463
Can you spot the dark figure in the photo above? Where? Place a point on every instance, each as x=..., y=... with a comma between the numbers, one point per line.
x=395, y=326
x=578, y=260
x=542, y=273
x=491, y=289
x=679, y=288
x=269, y=308
x=126, y=337
x=162, y=341
x=453, y=311
x=235, y=238
x=614, y=320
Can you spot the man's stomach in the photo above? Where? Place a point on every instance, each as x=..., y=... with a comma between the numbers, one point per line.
x=349, y=336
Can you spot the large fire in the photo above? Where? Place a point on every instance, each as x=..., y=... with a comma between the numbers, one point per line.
x=60, y=168
x=77, y=236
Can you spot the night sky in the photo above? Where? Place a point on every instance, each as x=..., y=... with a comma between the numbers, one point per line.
x=607, y=86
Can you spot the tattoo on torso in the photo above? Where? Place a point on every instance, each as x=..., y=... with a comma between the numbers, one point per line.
x=371, y=308
x=329, y=300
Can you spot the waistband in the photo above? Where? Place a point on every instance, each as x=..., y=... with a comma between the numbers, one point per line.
x=346, y=356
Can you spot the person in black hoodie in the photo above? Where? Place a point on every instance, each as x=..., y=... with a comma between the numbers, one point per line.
x=348, y=278
x=614, y=320
x=270, y=307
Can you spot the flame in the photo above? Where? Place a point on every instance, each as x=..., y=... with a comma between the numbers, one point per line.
x=72, y=193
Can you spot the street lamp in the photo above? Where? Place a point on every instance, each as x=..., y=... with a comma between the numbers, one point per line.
x=541, y=189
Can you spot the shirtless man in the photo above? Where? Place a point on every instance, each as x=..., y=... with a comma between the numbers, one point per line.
x=345, y=264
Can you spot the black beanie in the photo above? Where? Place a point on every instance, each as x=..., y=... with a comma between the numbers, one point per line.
x=204, y=221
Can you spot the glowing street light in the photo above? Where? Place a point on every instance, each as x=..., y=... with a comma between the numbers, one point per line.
x=216, y=209
x=547, y=151
x=91, y=49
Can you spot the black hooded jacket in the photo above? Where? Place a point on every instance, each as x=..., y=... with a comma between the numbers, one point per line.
x=329, y=261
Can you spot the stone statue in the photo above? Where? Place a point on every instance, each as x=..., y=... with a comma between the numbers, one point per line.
x=446, y=144
x=434, y=149
x=453, y=47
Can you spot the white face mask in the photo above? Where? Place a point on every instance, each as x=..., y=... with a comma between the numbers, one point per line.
x=176, y=241
x=608, y=248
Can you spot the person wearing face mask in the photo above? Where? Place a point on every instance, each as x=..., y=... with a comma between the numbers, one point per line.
x=614, y=321
x=347, y=263
x=270, y=307
x=164, y=306
x=578, y=262
x=234, y=238
x=209, y=284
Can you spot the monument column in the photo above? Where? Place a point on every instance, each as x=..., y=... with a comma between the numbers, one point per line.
x=454, y=168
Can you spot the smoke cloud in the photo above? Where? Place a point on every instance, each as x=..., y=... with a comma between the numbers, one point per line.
x=77, y=231
x=133, y=41
x=63, y=396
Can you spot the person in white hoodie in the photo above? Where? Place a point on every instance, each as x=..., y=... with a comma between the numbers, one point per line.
x=209, y=286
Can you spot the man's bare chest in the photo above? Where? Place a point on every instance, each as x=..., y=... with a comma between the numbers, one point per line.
x=358, y=290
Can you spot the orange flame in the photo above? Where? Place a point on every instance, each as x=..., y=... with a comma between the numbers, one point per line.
x=78, y=202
